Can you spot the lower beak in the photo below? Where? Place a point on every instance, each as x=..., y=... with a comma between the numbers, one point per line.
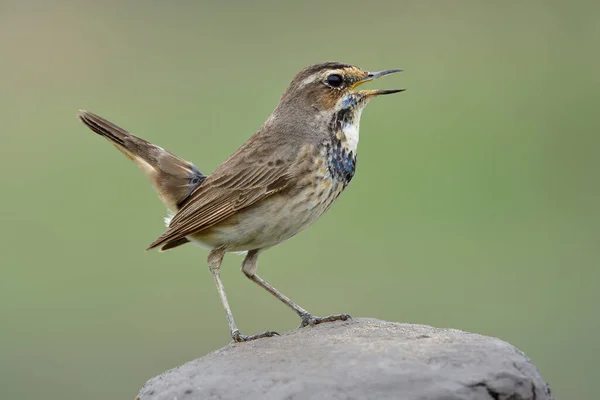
x=375, y=75
x=373, y=93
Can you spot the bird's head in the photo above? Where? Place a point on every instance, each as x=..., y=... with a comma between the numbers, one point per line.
x=331, y=87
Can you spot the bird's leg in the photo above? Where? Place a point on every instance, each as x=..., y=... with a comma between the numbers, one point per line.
x=249, y=269
x=215, y=258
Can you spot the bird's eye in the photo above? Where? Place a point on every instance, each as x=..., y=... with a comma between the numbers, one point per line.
x=334, y=80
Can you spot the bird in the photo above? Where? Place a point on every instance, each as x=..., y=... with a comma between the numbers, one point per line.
x=280, y=181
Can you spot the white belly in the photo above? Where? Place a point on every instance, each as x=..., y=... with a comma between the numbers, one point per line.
x=272, y=221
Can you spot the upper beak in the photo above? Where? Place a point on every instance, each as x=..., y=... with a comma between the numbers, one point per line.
x=378, y=74
x=375, y=75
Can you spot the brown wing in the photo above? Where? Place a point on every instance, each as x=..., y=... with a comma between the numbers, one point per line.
x=251, y=174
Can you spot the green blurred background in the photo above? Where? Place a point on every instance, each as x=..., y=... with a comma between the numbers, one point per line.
x=475, y=204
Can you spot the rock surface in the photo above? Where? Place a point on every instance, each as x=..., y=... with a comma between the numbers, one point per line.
x=357, y=359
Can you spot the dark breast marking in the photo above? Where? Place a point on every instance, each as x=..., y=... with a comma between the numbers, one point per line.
x=342, y=163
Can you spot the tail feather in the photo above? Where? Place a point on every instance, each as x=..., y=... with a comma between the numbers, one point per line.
x=173, y=178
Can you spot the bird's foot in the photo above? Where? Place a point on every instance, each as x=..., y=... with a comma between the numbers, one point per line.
x=238, y=337
x=311, y=320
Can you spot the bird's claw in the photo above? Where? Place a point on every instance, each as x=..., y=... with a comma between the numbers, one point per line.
x=238, y=337
x=311, y=320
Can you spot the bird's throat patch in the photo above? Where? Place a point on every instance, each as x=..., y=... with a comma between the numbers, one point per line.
x=341, y=150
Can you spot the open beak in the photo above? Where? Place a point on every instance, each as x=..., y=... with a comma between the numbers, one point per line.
x=375, y=75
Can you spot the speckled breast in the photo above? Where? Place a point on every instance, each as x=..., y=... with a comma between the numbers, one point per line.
x=342, y=162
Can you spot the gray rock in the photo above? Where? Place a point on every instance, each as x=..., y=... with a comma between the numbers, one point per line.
x=357, y=359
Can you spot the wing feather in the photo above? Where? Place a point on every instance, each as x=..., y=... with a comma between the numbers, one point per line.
x=248, y=176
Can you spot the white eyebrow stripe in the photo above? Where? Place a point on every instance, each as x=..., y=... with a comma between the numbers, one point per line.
x=308, y=80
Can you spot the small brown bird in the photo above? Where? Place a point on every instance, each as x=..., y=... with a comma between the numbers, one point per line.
x=277, y=184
